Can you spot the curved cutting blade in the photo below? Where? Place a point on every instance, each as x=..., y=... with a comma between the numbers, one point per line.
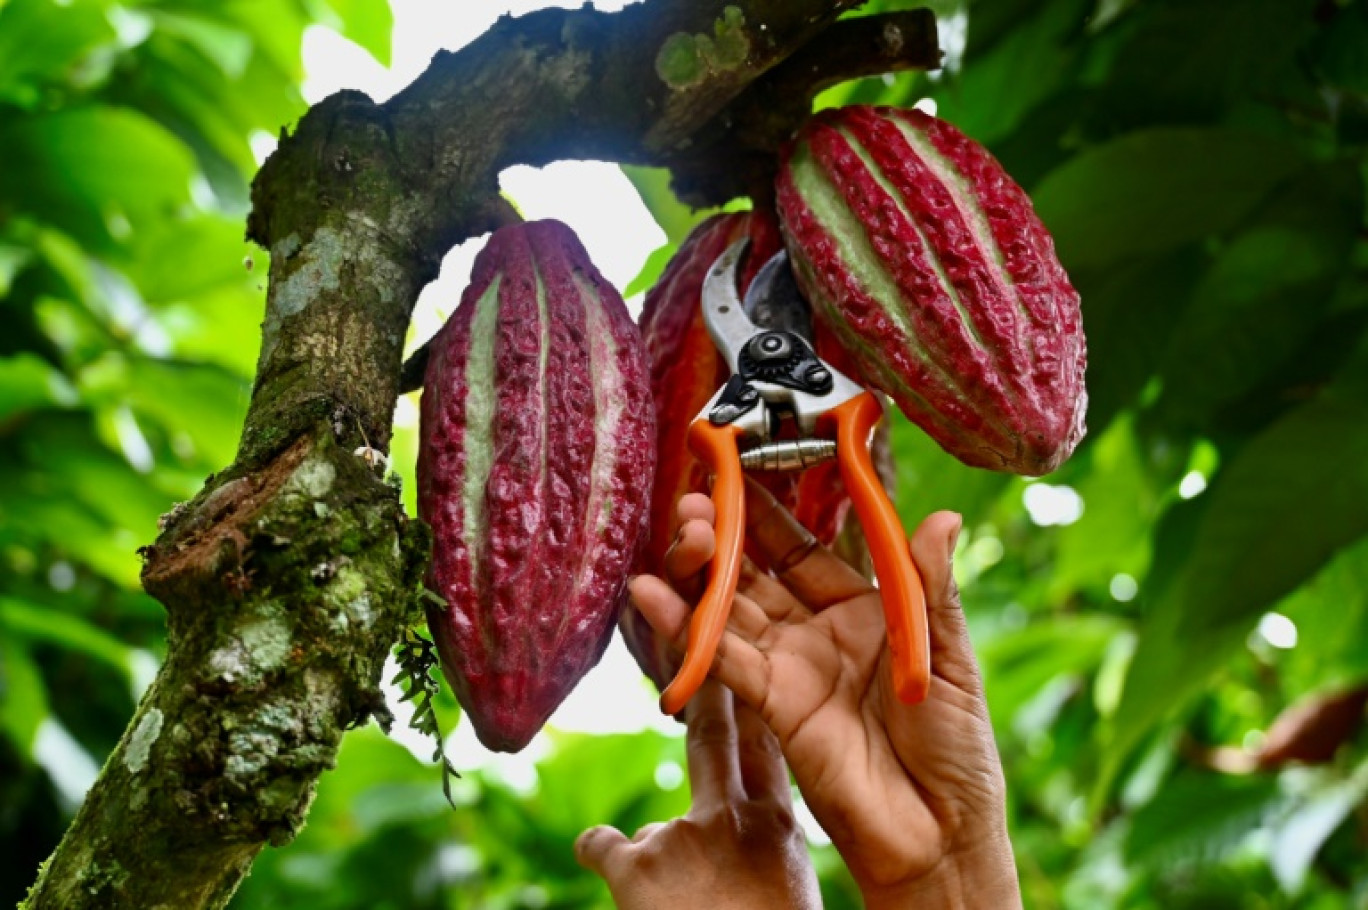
x=774, y=301
x=723, y=312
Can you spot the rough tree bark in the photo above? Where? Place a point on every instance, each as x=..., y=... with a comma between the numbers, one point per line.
x=287, y=580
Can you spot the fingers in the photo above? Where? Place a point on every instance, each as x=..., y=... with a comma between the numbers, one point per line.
x=714, y=774
x=646, y=831
x=763, y=772
x=663, y=608
x=669, y=614
x=777, y=601
x=600, y=849
x=933, y=549
x=693, y=546
x=809, y=570
x=696, y=506
x=737, y=664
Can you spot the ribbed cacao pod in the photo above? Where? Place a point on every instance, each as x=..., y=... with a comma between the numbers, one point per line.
x=536, y=455
x=686, y=371
x=929, y=264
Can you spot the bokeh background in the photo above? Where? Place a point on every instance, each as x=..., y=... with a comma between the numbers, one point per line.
x=1173, y=627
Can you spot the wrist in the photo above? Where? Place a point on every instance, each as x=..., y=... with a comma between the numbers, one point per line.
x=980, y=877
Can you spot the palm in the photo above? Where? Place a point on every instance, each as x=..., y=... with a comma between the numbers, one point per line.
x=809, y=653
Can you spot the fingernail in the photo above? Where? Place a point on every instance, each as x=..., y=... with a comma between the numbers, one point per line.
x=953, y=537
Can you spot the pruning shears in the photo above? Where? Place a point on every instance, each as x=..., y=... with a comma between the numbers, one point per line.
x=778, y=379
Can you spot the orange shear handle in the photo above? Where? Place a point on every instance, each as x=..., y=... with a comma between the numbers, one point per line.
x=717, y=448
x=900, y=584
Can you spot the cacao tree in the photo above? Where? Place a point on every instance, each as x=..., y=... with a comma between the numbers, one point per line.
x=1200, y=165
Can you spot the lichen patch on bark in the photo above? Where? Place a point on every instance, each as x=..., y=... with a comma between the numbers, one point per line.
x=140, y=743
x=313, y=478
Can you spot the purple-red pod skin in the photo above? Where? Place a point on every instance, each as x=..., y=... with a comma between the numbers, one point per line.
x=686, y=371
x=931, y=268
x=536, y=457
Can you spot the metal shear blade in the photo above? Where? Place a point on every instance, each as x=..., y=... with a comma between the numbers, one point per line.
x=773, y=300
x=775, y=369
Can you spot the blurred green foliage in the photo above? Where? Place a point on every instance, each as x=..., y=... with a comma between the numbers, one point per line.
x=1201, y=164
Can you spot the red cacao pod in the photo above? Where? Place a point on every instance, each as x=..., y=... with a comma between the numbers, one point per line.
x=685, y=372
x=929, y=264
x=536, y=454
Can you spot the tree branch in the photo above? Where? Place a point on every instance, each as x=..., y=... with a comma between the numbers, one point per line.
x=734, y=147
x=736, y=153
x=289, y=577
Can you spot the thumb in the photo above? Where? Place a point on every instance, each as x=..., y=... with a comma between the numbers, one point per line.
x=933, y=550
x=596, y=848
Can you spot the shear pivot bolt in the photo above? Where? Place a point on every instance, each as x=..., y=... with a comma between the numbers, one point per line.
x=772, y=347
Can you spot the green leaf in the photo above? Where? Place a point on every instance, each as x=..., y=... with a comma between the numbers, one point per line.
x=929, y=479
x=1187, y=60
x=1264, y=296
x=28, y=382
x=93, y=172
x=1199, y=816
x=602, y=777
x=1155, y=190
x=66, y=455
x=404, y=460
x=1120, y=507
x=74, y=533
x=367, y=761
x=42, y=44
x=1018, y=665
x=71, y=267
x=674, y=217
x=277, y=30
x=995, y=91
x=206, y=403
x=212, y=244
x=227, y=46
x=651, y=270
x=1130, y=311
x=31, y=622
x=23, y=695
x=178, y=83
x=220, y=326
x=1284, y=505
x=13, y=259
x=1281, y=508
x=996, y=20
x=1331, y=615
x=1339, y=48
x=368, y=23
x=1325, y=802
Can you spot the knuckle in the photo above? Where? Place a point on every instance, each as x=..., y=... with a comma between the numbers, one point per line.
x=712, y=732
x=764, y=823
x=952, y=591
x=680, y=636
x=653, y=853
x=590, y=843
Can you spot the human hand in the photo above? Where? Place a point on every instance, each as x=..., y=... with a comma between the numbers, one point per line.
x=911, y=795
x=738, y=847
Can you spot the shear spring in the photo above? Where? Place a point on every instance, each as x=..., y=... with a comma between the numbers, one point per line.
x=788, y=455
